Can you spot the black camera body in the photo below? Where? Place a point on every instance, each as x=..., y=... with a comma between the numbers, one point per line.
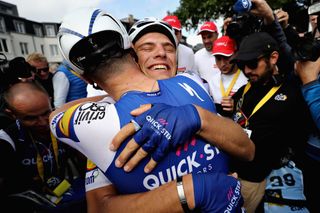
x=307, y=48
x=243, y=24
x=11, y=71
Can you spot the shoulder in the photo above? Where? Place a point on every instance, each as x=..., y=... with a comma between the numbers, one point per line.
x=6, y=139
x=185, y=48
x=84, y=117
x=194, y=78
x=200, y=52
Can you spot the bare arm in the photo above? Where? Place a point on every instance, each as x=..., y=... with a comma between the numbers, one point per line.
x=216, y=130
x=163, y=199
x=226, y=135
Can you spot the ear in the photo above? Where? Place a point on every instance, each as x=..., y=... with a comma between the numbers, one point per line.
x=10, y=113
x=274, y=56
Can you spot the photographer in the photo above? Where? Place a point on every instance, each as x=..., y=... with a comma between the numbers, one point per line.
x=308, y=71
x=264, y=108
x=306, y=50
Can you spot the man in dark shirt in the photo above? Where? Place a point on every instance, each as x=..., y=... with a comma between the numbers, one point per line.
x=42, y=74
x=33, y=163
x=265, y=108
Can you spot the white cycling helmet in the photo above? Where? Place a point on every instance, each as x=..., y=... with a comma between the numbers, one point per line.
x=88, y=34
x=151, y=24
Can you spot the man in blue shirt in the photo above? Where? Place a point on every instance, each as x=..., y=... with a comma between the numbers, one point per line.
x=109, y=62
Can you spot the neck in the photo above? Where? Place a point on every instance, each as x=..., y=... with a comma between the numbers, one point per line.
x=233, y=69
x=130, y=80
x=43, y=136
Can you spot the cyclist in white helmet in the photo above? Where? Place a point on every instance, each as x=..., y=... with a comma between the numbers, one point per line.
x=97, y=46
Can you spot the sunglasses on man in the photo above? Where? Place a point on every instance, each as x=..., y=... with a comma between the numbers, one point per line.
x=44, y=69
x=251, y=64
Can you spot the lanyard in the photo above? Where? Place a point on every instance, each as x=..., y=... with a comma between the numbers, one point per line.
x=234, y=79
x=40, y=165
x=271, y=92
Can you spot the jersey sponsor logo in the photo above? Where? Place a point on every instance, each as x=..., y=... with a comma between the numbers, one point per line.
x=280, y=97
x=153, y=94
x=159, y=126
x=190, y=90
x=90, y=112
x=33, y=161
x=233, y=197
x=91, y=176
x=185, y=166
x=186, y=146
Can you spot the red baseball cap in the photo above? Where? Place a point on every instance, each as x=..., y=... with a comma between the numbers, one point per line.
x=208, y=26
x=224, y=46
x=173, y=21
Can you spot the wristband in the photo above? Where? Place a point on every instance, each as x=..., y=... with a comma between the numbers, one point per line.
x=182, y=196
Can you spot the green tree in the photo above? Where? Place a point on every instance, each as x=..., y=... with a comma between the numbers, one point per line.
x=191, y=12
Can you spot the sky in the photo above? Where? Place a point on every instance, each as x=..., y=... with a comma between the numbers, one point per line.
x=54, y=10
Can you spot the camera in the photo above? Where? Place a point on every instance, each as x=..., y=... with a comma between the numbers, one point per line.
x=12, y=71
x=307, y=47
x=243, y=24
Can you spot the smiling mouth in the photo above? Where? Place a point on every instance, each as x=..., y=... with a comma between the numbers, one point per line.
x=159, y=67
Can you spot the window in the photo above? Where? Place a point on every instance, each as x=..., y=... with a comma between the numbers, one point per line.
x=37, y=30
x=3, y=45
x=42, y=49
x=19, y=26
x=24, y=48
x=50, y=30
x=2, y=25
x=54, y=50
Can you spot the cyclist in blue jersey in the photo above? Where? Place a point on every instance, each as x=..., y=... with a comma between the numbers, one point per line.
x=103, y=55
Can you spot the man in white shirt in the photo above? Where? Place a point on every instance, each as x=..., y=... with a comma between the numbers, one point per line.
x=185, y=53
x=204, y=60
x=229, y=79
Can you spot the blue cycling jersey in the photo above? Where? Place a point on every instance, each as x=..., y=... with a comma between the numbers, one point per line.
x=90, y=128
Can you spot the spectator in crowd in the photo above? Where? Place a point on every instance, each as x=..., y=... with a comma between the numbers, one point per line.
x=67, y=85
x=36, y=169
x=185, y=53
x=42, y=74
x=204, y=60
x=108, y=71
x=11, y=72
x=264, y=107
x=308, y=72
x=230, y=78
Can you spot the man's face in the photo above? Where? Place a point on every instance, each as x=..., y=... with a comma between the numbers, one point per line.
x=257, y=70
x=208, y=38
x=42, y=69
x=224, y=65
x=178, y=35
x=33, y=112
x=156, y=56
x=313, y=21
